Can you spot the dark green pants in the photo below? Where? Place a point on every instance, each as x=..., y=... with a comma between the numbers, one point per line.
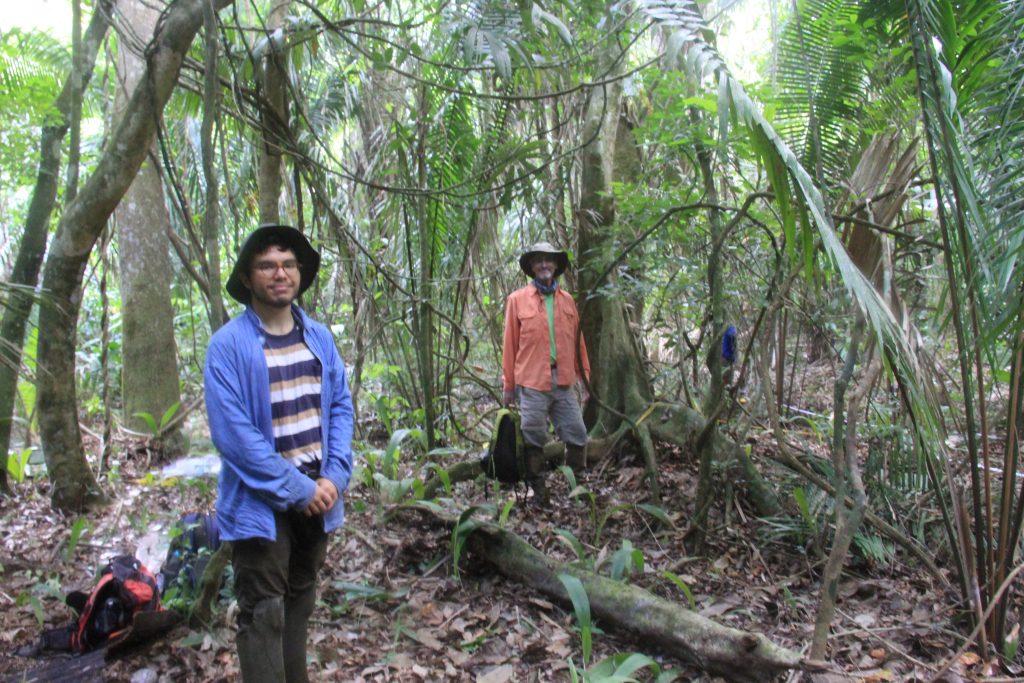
x=275, y=585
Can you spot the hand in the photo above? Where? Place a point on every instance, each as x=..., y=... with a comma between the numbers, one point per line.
x=324, y=498
x=508, y=397
x=584, y=394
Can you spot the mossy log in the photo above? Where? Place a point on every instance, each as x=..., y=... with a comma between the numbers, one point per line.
x=468, y=470
x=670, y=423
x=734, y=654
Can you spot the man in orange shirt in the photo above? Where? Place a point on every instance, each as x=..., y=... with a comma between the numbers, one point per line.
x=540, y=363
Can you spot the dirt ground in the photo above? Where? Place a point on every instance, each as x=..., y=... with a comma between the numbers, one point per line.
x=392, y=609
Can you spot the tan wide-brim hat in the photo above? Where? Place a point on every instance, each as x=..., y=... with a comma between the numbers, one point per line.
x=561, y=258
x=305, y=254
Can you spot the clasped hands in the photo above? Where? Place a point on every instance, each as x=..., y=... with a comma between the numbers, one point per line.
x=324, y=498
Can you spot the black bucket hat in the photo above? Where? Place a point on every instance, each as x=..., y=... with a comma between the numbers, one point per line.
x=561, y=258
x=305, y=254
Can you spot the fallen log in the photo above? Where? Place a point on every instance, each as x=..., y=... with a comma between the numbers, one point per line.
x=676, y=425
x=87, y=668
x=468, y=470
x=736, y=655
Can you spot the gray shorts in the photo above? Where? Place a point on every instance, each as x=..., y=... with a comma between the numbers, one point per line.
x=561, y=405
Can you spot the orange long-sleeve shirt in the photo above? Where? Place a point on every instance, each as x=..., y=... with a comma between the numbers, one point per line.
x=526, y=357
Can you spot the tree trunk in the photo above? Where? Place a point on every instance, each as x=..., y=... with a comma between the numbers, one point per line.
x=211, y=216
x=682, y=426
x=846, y=466
x=149, y=375
x=715, y=395
x=423, y=234
x=73, y=485
x=554, y=454
x=33, y=239
x=619, y=384
x=273, y=116
x=646, y=618
x=673, y=424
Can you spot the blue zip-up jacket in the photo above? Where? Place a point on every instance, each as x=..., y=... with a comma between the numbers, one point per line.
x=255, y=481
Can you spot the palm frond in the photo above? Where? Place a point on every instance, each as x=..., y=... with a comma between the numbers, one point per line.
x=963, y=215
x=991, y=93
x=954, y=52
x=29, y=59
x=822, y=85
x=788, y=176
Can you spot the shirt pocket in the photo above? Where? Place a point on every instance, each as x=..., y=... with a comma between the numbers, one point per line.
x=571, y=316
x=532, y=325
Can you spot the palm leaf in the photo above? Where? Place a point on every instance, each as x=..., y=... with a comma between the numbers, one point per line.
x=959, y=76
x=786, y=172
x=991, y=91
x=30, y=59
x=821, y=85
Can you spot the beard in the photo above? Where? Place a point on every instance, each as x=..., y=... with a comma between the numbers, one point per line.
x=268, y=297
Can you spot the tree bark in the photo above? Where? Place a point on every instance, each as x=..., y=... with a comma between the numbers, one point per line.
x=423, y=327
x=848, y=519
x=149, y=374
x=73, y=484
x=33, y=239
x=211, y=216
x=682, y=426
x=273, y=116
x=619, y=383
x=715, y=395
x=468, y=470
x=676, y=425
x=647, y=619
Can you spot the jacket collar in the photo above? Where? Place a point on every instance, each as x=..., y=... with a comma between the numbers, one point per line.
x=300, y=316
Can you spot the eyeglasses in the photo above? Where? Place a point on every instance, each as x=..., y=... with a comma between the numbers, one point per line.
x=269, y=268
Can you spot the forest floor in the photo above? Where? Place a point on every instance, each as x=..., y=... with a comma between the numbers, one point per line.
x=391, y=609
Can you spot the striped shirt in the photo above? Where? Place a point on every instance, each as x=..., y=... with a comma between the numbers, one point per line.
x=295, y=375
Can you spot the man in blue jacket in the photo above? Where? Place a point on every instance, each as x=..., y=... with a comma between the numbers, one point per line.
x=280, y=415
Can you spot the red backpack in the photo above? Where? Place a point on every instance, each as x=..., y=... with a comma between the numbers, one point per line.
x=125, y=588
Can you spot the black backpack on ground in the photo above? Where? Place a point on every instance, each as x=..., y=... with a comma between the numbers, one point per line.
x=189, y=552
x=504, y=458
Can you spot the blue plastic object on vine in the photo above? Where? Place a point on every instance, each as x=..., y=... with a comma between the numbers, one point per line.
x=729, y=344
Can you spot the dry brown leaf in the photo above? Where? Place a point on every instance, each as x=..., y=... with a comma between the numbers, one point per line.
x=425, y=636
x=457, y=657
x=969, y=658
x=865, y=620
x=401, y=661
x=499, y=674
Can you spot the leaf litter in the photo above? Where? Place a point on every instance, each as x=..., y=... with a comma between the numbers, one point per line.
x=391, y=609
